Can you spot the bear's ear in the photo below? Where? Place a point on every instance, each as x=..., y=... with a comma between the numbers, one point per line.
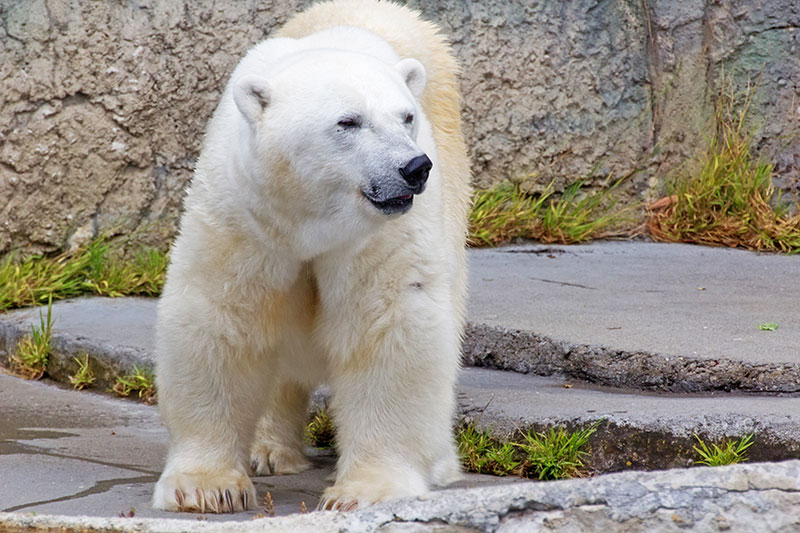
x=414, y=75
x=251, y=94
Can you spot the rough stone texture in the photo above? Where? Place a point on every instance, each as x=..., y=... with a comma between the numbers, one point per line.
x=103, y=104
x=523, y=351
x=759, y=497
x=575, y=90
x=553, y=89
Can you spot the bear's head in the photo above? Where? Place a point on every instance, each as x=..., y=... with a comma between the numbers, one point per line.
x=335, y=134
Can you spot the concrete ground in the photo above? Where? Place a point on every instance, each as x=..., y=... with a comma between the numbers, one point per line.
x=668, y=299
x=659, y=342
x=82, y=453
x=80, y=461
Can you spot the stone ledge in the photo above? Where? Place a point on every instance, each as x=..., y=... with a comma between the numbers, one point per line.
x=741, y=498
x=524, y=351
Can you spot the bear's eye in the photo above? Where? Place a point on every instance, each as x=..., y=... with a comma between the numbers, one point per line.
x=349, y=123
x=409, y=118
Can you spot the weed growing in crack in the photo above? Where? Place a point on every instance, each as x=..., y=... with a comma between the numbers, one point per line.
x=30, y=357
x=84, y=377
x=556, y=453
x=729, y=452
x=320, y=432
x=140, y=381
x=482, y=454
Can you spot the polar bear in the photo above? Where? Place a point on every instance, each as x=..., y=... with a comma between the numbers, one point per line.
x=322, y=240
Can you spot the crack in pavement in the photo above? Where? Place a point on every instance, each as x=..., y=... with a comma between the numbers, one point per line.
x=565, y=283
x=98, y=488
x=9, y=447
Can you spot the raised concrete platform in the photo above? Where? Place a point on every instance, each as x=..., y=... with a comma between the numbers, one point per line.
x=78, y=461
x=64, y=452
x=652, y=320
x=664, y=317
x=671, y=317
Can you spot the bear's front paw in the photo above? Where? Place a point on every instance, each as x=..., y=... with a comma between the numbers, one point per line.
x=211, y=492
x=336, y=499
x=266, y=460
x=372, y=486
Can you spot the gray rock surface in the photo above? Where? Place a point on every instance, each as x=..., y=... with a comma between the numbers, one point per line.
x=103, y=105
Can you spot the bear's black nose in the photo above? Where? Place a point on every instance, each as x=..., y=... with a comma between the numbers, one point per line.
x=416, y=171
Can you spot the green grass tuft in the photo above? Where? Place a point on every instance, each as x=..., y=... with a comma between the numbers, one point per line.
x=484, y=455
x=30, y=357
x=97, y=268
x=141, y=381
x=557, y=453
x=504, y=213
x=730, y=452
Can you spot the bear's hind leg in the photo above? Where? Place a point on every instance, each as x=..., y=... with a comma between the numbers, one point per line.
x=279, y=441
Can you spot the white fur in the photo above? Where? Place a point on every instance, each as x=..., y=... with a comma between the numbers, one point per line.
x=284, y=276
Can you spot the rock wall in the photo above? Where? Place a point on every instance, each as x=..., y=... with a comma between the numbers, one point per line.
x=103, y=104
x=583, y=89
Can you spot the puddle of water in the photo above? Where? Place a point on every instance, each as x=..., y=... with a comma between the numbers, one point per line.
x=14, y=428
x=7, y=433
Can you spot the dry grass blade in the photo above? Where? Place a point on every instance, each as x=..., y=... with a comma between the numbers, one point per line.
x=730, y=200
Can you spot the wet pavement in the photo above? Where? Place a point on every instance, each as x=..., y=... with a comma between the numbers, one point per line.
x=64, y=452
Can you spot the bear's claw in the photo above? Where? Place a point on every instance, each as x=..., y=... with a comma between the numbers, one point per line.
x=333, y=504
x=204, y=493
x=278, y=460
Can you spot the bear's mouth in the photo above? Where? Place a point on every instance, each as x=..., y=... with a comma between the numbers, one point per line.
x=392, y=206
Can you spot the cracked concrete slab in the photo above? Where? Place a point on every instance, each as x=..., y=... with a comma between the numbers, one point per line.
x=107, y=433
x=64, y=452
x=671, y=317
x=666, y=317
